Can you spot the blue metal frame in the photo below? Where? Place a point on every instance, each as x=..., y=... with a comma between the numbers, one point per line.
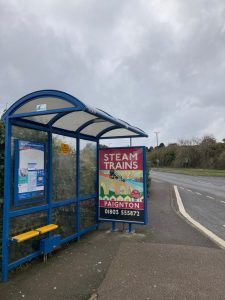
x=7, y=214
x=41, y=94
x=97, y=182
x=49, y=174
x=6, y=205
x=145, y=177
x=78, y=186
x=11, y=119
x=37, y=126
x=43, y=112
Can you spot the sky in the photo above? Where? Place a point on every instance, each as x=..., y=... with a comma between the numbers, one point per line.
x=159, y=65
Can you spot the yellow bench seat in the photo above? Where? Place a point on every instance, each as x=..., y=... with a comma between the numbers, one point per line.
x=25, y=236
x=32, y=233
x=47, y=228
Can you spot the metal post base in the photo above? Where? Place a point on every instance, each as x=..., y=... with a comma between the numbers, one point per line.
x=130, y=229
x=114, y=228
x=45, y=257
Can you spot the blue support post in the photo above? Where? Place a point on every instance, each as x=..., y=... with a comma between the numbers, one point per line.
x=49, y=184
x=78, y=189
x=130, y=228
x=145, y=176
x=6, y=203
x=97, y=185
x=114, y=228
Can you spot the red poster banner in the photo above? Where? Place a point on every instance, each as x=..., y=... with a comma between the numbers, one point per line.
x=121, y=184
x=121, y=159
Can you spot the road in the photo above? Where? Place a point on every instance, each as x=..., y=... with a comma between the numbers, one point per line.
x=202, y=197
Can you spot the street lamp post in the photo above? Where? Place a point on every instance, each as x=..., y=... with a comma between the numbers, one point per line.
x=157, y=142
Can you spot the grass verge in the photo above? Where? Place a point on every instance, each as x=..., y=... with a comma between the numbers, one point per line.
x=193, y=172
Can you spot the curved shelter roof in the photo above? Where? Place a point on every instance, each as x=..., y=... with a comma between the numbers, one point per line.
x=59, y=110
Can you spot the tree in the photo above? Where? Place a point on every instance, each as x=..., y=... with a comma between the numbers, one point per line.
x=221, y=161
x=161, y=145
x=103, y=146
x=208, y=149
x=203, y=152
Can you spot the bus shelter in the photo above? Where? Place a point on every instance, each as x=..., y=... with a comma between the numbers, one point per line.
x=51, y=172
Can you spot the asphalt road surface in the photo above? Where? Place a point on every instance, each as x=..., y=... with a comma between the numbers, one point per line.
x=202, y=197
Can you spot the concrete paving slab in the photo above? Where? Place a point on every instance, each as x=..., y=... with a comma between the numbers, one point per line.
x=162, y=271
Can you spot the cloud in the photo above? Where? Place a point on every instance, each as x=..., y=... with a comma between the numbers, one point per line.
x=158, y=65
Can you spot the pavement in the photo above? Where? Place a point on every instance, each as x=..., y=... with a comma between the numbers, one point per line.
x=166, y=259
x=148, y=271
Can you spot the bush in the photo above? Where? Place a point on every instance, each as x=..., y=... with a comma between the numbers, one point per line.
x=194, y=153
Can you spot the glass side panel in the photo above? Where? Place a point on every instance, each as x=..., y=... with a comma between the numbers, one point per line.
x=87, y=213
x=23, y=224
x=65, y=217
x=63, y=167
x=88, y=167
x=29, y=134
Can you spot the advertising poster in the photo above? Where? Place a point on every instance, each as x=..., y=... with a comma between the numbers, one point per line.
x=122, y=184
x=30, y=166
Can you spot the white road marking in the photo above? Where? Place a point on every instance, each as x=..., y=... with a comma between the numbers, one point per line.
x=222, y=201
x=203, y=229
x=198, y=193
x=189, y=190
x=210, y=197
x=223, y=225
x=181, y=188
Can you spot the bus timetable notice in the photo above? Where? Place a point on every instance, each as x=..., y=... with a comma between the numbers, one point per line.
x=121, y=184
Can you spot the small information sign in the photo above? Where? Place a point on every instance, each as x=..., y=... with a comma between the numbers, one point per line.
x=65, y=149
x=41, y=107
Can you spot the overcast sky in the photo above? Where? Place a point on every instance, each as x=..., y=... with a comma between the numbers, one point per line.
x=160, y=65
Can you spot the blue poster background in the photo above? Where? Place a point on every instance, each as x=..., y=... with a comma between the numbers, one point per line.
x=29, y=172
